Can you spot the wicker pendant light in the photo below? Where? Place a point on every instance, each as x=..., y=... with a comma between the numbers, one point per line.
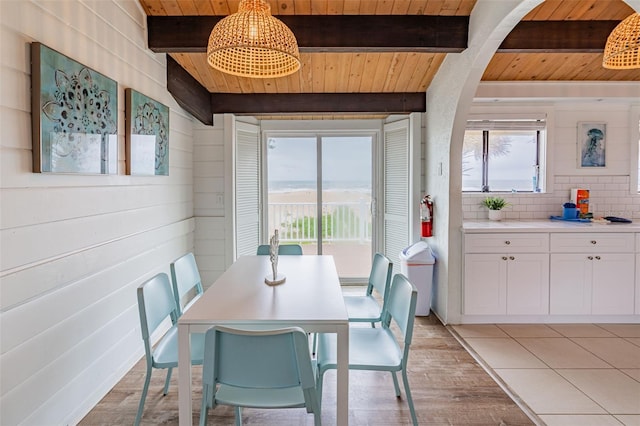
x=622, y=51
x=252, y=43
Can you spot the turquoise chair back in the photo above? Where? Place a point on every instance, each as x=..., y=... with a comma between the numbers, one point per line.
x=260, y=367
x=186, y=281
x=380, y=276
x=401, y=307
x=155, y=304
x=283, y=249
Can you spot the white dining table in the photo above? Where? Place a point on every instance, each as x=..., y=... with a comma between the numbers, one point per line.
x=310, y=298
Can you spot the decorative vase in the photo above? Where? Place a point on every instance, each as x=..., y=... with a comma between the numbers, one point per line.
x=495, y=214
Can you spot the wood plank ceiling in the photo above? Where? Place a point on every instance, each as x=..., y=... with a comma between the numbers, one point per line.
x=571, y=58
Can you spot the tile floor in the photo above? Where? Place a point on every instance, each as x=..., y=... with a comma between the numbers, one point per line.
x=565, y=374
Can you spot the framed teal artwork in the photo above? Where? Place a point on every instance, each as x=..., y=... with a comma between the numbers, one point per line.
x=74, y=113
x=147, y=135
x=592, y=137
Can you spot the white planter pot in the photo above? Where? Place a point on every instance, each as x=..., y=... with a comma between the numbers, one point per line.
x=495, y=214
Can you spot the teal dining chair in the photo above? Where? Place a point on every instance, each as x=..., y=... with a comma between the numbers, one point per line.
x=366, y=308
x=187, y=284
x=156, y=304
x=377, y=349
x=258, y=369
x=283, y=249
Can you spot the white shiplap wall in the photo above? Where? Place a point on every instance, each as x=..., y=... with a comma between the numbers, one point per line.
x=74, y=248
x=209, y=199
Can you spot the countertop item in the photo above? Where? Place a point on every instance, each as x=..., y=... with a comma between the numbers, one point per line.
x=575, y=219
x=541, y=225
x=616, y=219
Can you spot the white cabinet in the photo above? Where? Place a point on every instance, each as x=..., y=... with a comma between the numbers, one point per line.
x=592, y=273
x=485, y=284
x=638, y=274
x=506, y=274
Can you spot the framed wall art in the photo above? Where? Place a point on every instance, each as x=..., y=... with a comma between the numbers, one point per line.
x=591, y=144
x=147, y=135
x=74, y=113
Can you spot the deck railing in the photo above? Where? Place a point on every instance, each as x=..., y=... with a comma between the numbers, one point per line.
x=341, y=221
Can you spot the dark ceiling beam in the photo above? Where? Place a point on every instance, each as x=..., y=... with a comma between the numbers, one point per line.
x=326, y=33
x=558, y=36
x=196, y=100
x=379, y=33
x=188, y=92
x=315, y=103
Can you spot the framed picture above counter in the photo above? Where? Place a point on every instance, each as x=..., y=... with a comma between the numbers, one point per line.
x=591, y=144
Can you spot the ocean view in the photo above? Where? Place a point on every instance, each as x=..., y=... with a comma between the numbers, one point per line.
x=310, y=185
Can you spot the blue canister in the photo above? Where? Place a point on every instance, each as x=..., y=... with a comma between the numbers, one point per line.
x=570, y=212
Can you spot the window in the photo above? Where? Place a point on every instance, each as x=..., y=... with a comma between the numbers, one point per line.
x=503, y=155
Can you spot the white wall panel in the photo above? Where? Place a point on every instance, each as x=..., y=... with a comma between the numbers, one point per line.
x=210, y=246
x=40, y=242
x=83, y=308
x=209, y=196
x=42, y=205
x=18, y=135
x=15, y=82
x=75, y=247
x=26, y=284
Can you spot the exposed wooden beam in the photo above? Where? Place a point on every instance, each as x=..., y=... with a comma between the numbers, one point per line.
x=188, y=92
x=380, y=33
x=323, y=33
x=195, y=99
x=306, y=103
x=558, y=36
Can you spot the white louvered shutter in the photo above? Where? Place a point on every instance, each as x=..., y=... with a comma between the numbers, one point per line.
x=247, y=188
x=396, y=190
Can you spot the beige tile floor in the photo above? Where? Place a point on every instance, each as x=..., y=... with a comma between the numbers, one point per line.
x=564, y=374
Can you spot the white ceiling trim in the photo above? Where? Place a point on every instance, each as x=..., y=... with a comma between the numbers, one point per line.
x=557, y=91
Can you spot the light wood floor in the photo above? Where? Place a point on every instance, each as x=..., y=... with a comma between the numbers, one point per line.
x=448, y=386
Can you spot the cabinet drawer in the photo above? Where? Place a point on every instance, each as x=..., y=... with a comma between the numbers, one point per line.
x=592, y=243
x=506, y=243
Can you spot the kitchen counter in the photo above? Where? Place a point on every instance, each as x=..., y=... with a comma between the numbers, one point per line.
x=489, y=226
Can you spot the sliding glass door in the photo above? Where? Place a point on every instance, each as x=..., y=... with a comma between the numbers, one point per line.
x=319, y=194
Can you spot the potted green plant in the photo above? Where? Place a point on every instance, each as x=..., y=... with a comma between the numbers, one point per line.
x=495, y=206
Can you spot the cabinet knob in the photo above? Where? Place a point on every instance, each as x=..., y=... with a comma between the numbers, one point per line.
x=597, y=257
x=504, y=257
x=511, y=258
x=590, y=257
x=593, y=241
x=507, y=242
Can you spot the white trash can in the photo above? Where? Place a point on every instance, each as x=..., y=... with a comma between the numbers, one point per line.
x=416, y=263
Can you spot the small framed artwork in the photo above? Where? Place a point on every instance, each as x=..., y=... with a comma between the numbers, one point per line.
x=147, y=135
x=592, y=138
x=74, y=112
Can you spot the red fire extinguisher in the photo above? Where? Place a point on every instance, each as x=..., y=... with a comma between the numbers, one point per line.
x=426, y=216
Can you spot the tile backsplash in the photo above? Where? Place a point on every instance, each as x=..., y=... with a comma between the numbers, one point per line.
x=608, y=196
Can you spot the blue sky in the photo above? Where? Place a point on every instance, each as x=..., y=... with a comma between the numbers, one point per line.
x=345, y=158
